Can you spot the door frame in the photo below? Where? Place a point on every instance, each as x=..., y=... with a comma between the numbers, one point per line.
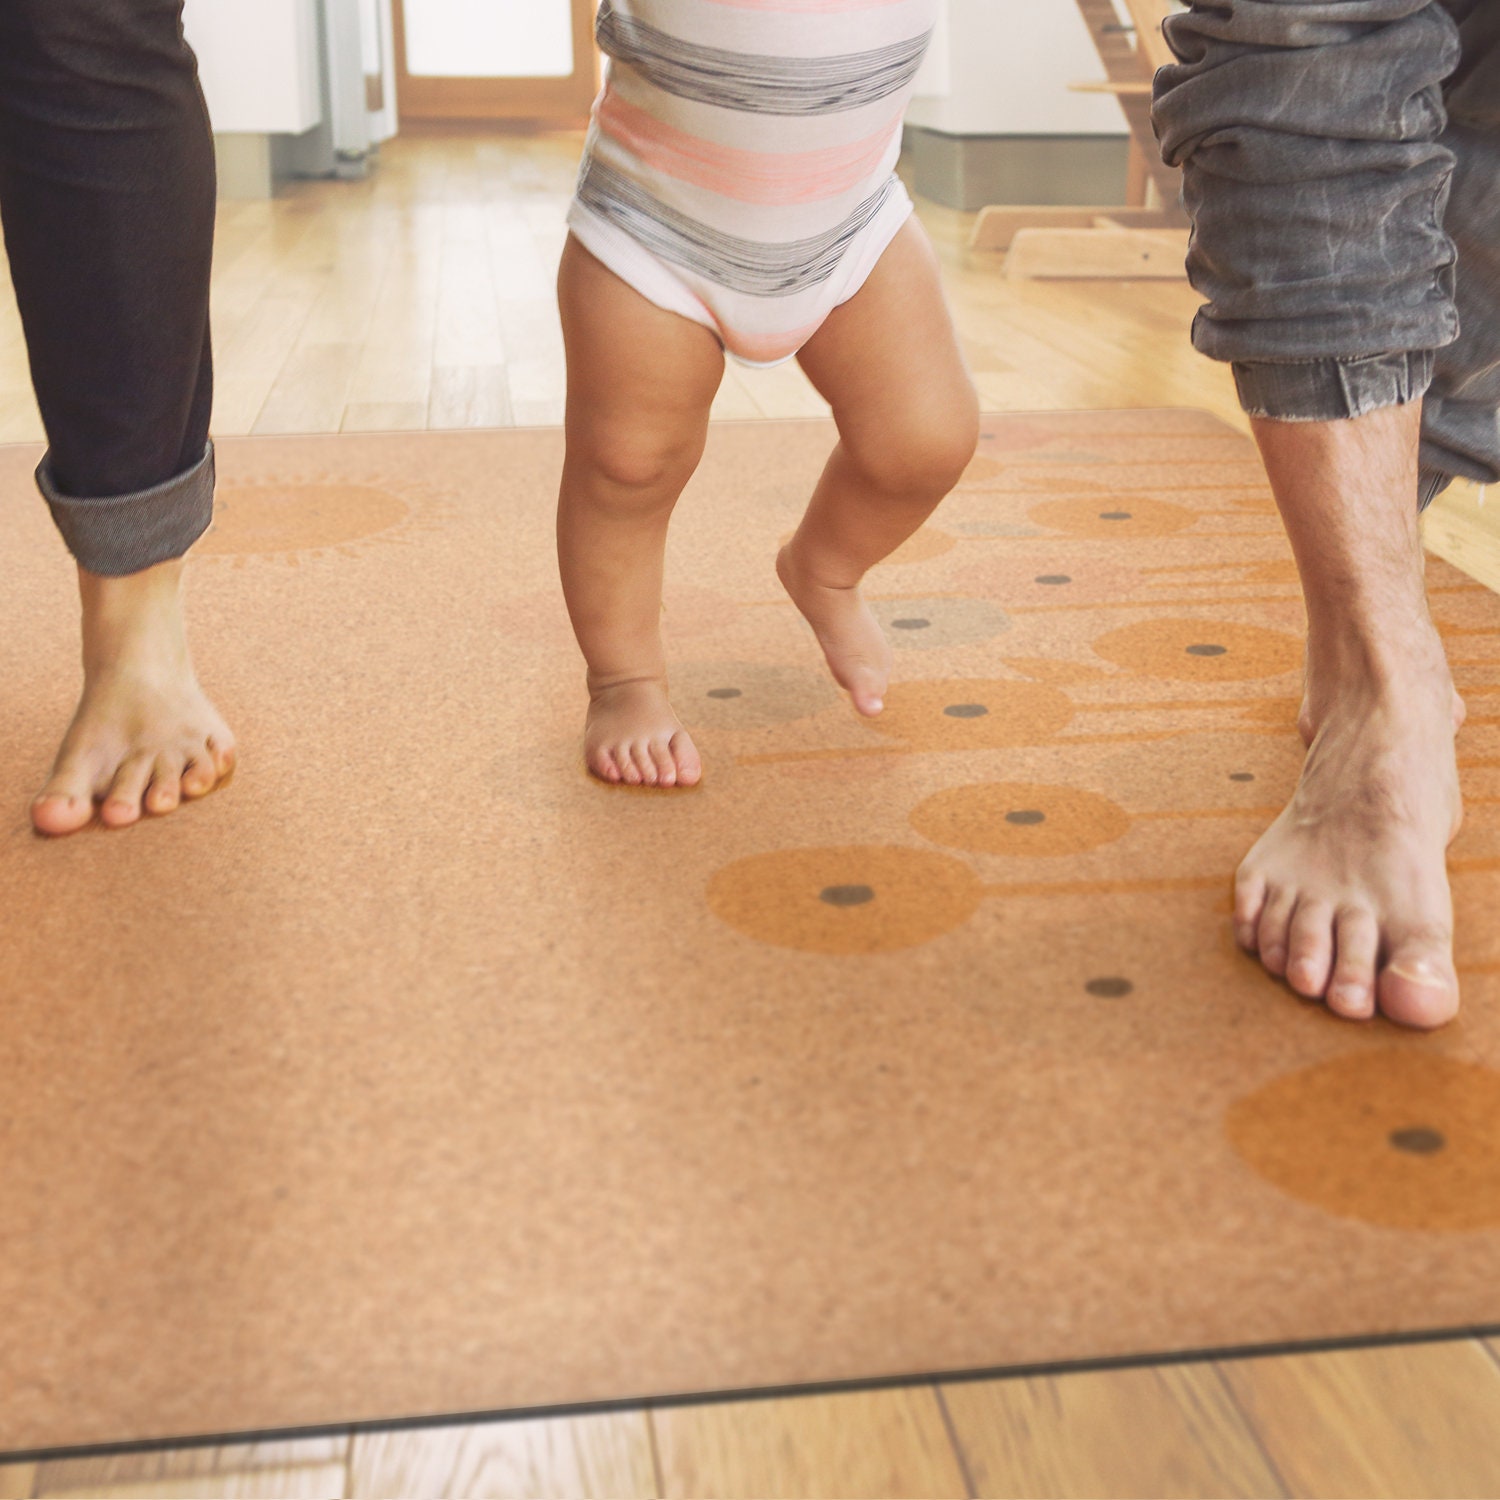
x=550, y=100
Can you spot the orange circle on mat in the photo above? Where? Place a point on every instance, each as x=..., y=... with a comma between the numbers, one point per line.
x=1395, y=1138
x=254, y=519
x=1020, y=818
x=1201, y=650
x=1127, y=517
x=970, y=713
x=873, y=898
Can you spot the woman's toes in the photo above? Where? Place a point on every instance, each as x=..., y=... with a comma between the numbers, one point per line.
x=1310, y=948
x=224, y=757
x=122, y=803
x=65, y=804
x=1272, y=931
x=1351, y=990
x=685, y=755
x=165, y=792
x=1418, y=987
x=198, y=778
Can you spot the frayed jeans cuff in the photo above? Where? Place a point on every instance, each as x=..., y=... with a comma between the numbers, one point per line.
x=126, y=533
x=1330, y=390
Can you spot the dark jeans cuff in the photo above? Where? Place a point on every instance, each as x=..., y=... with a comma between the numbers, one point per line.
x=126, y=533
x=1329, y=390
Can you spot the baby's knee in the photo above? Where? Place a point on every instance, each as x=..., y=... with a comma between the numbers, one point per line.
x=637, y=464
x=927, y=455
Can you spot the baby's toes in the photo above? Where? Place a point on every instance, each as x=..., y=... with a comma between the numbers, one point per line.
x=685, y=754
x=662, y=762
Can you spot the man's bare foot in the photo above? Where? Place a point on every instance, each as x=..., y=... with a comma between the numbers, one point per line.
x=1347, y=893
x=144, y=737
x=859, y=656
x=633, y=737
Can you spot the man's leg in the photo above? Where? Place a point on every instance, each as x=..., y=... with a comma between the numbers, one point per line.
x=1317, y=173
x=107, y=196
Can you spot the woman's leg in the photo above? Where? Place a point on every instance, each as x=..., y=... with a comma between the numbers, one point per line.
x=889, y=364
x=640, y=384
x=107, y=196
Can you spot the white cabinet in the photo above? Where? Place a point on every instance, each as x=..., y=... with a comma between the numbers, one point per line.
x=259, y=61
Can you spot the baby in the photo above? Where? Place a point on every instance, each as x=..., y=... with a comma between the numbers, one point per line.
x=738, y=193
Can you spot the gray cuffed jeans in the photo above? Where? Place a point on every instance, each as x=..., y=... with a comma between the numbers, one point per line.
x=107, y=199
x=1341, y=165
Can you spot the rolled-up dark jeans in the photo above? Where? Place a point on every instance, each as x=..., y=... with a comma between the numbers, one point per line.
x=107, y=196
x=1341, y=165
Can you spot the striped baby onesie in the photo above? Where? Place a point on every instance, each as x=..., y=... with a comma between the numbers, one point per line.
x=740, y=165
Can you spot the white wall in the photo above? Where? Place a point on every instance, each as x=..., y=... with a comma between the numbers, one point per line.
x=1002, y=67
x=259, y=62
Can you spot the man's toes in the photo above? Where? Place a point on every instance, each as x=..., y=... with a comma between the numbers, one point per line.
x=1272, y=932
x=685, y=754
x=1249, y=902
x=122, y=803
x=1309, y=959
x=65, y=804
x=1351, y=990
x=1418, y=987
x=165, y=792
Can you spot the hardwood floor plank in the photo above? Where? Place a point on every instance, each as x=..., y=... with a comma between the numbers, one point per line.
x=189, y=1463
x=857, y=1443
x=605, y=1455
x=300, y=1482
x=470, y=396
x=1171, y=1431
x=311, y=392
x=1412, y=1420
x=17, y=1481
x=384, y=416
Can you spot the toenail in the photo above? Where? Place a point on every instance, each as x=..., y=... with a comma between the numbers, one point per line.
x=1421, y=973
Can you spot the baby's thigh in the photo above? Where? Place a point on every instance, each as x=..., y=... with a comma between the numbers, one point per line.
x=641, y=380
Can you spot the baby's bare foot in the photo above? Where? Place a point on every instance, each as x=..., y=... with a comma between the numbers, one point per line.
x=144, y=737
x=859, y=656
x=1346, y=895
x=633, y=737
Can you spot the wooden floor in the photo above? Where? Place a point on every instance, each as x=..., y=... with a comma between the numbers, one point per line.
x=423, y=299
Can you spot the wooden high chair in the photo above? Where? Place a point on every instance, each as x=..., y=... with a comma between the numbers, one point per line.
x=1147, y=237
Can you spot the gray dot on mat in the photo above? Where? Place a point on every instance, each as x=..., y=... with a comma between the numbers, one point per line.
x=1114, y=515
x=1109, y=989
x=1242, y=776
x=1419, y=1140
x=1026, y=817
x=1208, y=650
x=1054, y=578
x=724, y=693
x=846, y=895
x=917, y=624
x=966, y=710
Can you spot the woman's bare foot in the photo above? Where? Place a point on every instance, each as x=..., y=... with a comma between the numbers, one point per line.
x=859, y=656
x=144, y=737
x=1347, y=893
x=633, y=737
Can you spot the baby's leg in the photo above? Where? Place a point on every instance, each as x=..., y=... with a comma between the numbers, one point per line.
x=889, y=364
x=640, y=384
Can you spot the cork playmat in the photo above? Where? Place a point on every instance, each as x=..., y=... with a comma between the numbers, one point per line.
x=415, y=1073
